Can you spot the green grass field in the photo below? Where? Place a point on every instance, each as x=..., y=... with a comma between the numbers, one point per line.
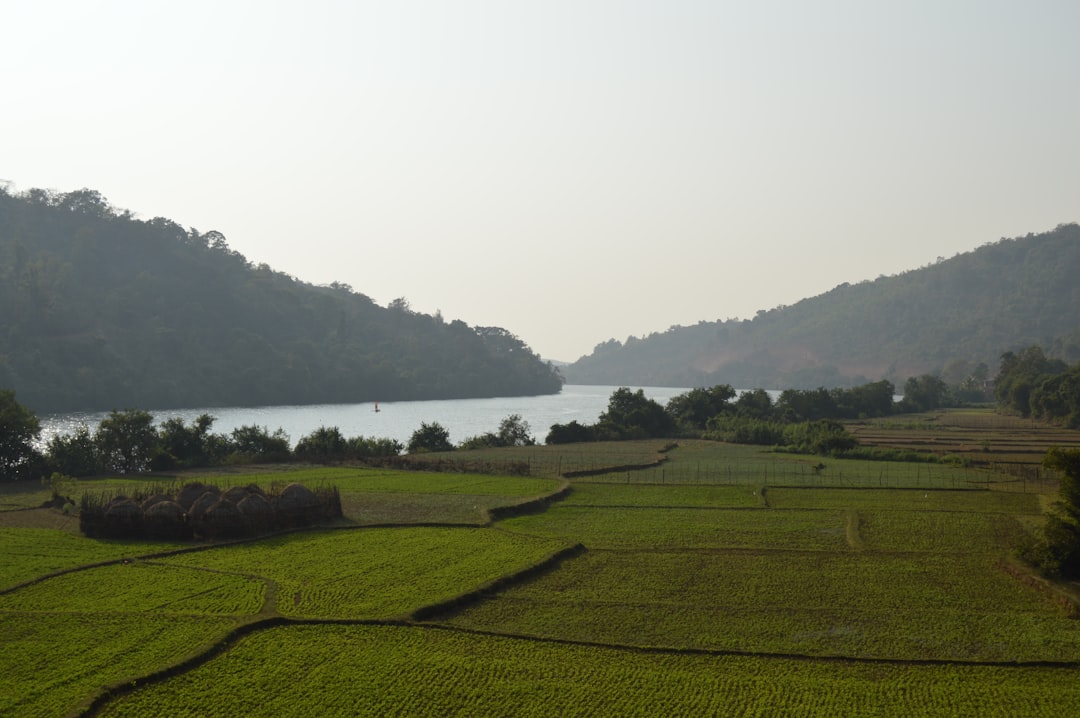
x=32, y=552
x=879, y=594
x=373, y=572
x=381, y=671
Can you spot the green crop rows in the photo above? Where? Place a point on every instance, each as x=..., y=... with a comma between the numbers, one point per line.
x=51, y=664
x=375, y=573
x=140, y=587
x=380, y=671
x=626, y=527
x=709, y=598
x=788, y=602
x=29, y=552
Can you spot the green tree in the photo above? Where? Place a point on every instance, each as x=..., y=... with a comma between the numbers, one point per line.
x=515, y=431
x=127, y=441
x=19, y=428
x=1056, y=397
x=754, y=404
x=75, y=454
x=866, y=401
x=632, y=415
x=430, y=437
x=188, y=446
x=572, y=432
x=1058, y=552
x=923, y=393
x=256, y=443
x=362, y=448
x=322, y=445
x=1018, y=376
x=806, y=404
x=692, y=409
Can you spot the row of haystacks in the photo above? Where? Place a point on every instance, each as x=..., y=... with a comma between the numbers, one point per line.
x=204, y=511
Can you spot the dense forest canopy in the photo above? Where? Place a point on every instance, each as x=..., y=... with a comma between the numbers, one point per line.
x=100, y=310
x=952, y=319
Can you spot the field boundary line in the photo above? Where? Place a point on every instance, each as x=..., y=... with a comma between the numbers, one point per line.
x=720, y=652
x=536, y=504
x=673, y=507
x=615, y=469
x=852, y=527
x=226, y=642
x=222, y=644
x=464, y=600
x=1059, y=595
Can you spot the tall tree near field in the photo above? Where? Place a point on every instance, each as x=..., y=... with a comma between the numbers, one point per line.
x=1058, y=554
x=128, y=440
x=430, y=437
x=18, y=430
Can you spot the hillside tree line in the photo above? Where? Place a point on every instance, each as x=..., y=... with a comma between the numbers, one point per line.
x=99, y=309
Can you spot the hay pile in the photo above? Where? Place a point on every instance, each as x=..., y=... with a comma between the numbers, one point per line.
x=203, y=511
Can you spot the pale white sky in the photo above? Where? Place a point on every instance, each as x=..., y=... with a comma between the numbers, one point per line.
x=573, y=171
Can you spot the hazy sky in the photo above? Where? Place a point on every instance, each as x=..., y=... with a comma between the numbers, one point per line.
x=571, y=171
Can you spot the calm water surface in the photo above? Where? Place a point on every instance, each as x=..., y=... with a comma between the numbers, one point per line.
x=463, y=418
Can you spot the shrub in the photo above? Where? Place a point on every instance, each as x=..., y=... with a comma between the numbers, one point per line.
x=322, y=445
x=256, y=443
x=363, y=448
x=430, y=437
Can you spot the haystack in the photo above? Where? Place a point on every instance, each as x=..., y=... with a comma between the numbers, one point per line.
x=257, y=513
x=123, y=518
x=189, y=492
x=236, y=494
x=155, y=499
x=200, y=505
x=221, y=520
x=167, y=521
x=297, y=506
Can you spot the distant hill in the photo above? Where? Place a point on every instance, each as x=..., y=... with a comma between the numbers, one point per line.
x=99, y=310
x=947, y=319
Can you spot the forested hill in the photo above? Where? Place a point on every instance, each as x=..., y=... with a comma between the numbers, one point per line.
x=100, y=310
x=945, y=318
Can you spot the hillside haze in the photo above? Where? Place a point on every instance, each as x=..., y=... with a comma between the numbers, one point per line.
x=947, y=318
x=100, y=310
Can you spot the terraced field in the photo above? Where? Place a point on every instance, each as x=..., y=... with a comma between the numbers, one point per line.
x=374, y=573
x=79, y=616
x=384, y=670
x=621, y=597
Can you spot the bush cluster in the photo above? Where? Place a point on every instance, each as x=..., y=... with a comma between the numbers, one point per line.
x=1032, y=384
x=128, y=442
x=1056, y=551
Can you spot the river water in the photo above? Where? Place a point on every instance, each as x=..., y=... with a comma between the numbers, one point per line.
x=463, y=418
